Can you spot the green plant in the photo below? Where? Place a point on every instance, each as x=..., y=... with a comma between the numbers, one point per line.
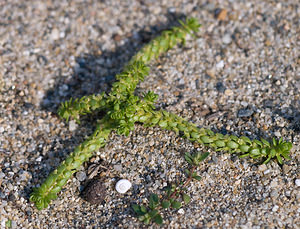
x=123, y=109
x=8, y=223
x=175, y=194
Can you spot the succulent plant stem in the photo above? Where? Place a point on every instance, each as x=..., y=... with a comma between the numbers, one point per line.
x=123, y=109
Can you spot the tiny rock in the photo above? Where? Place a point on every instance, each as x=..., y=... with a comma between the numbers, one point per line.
x=94, y=192
x=244, y=113
x=181, y=211
x=275, y=208
x=81, y=176
x=220, y=64
x=72, y=125
x=228, y=92
x=55, y=34
x=118, y=168
x=226, y=39
x=262, y=168
x=222, y=14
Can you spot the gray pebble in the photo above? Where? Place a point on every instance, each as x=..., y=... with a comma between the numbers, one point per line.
x=118, y=167
x=220, y=64
x=244, y=104
x=277, y=134
x=244, y=113
x=81, y=176
x=72, y=125
x=55, y=34
x=220, y=87
x=226, y=39
x=275, y=208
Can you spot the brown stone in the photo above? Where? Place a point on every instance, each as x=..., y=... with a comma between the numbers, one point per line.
x=222, y=15
x=94, y=192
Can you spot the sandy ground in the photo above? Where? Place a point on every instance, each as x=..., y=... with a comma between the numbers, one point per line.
x=241, y=75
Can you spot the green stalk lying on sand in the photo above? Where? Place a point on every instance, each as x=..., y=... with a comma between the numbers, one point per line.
x=123, y=109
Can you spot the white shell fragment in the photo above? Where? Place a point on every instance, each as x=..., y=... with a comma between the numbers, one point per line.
x=123, y=186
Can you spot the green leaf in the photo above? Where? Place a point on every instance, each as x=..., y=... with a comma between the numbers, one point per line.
x=198, y=178
x=136, y=208
x=181, y=127
x=268, y=159
x=286, y=155
x=143, y=209
x=279, y=159
x=153, y=213
x=203, y=156
x=186, y=198
x=165, y=204
x=206, y=139
x=274, y=142
x=139, y=210
x=220, y=143
x=187, y=172
x=195, y=135
x=232, y=145
x=258, y=142
x=265, y=142
x=254, y=152
x=153, y=201
x=188, y=157
x=176, y=204
x=272, y=153
x=147, y=220
x=158, y=219
x=8, y=223
x=163, y=124
x=56, y=189
x=142, y=218
x=244, y=148
x=246, y=139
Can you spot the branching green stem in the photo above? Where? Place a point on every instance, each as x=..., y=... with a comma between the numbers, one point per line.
x=123, y=109
x=43, y=195
x=243, y=146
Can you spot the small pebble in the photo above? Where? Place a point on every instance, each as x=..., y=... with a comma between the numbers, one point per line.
x=55, y=34
x=81, y=176
x=221, y=14
x=277, y=134
x=118, y=167
x=228, y=92
x=220, y=87
x=244, y=104
x=220, y=64
x=72, y=125
x=181, y=211
x=226, y=39
x=262, y=167
x=275, y=208
x=244, y=113
x=297, y=182
x=39, y=159
x=94, y=192
x=273, y=184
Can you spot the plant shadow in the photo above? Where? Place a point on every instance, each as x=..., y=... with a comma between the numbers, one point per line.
x=93, y=73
